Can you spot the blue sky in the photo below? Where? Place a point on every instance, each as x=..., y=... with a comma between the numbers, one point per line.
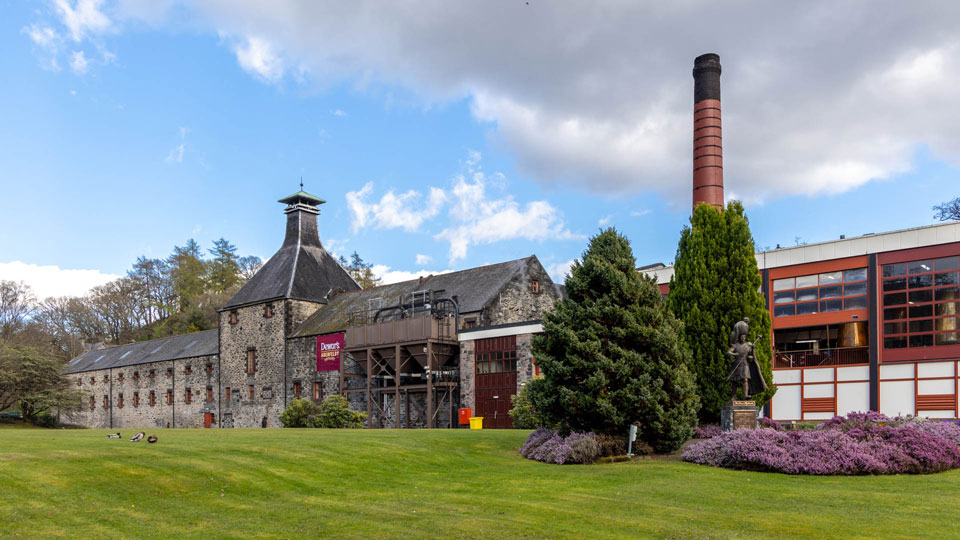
x=130, y=127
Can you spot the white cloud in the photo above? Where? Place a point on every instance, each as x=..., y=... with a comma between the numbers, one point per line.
x=388, y=275
x=176, y=154
x=393, y=211
x=558, y=271
x=48, y=281
x=338, y=112
x=423, y=259
x=78, y=63
x=604, y=221
x=43, y=36
x=82, y=18
x=640, y=213
x=256, y=56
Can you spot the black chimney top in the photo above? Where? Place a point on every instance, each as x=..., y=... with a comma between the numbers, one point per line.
x=706, y=77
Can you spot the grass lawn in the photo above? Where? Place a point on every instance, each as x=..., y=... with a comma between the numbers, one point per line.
x=284, y=483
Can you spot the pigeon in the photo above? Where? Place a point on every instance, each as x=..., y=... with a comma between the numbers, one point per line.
x=137, y=437
x=152, y=439
x=114, y=436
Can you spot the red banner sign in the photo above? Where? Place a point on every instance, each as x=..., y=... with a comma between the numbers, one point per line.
x=328, y=352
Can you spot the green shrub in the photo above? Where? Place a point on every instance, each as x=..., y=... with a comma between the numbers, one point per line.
x=45, y=420
x=335, y=413
x=523, y=414
x=300, y=414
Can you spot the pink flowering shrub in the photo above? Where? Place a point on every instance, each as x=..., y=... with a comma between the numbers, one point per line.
x=772, y=424
x=860, y=443
x=549, y=446
x=706, y=431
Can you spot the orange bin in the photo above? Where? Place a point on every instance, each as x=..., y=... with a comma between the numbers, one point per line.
x=465, y=415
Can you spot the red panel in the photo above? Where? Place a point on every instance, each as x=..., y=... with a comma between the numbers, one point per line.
x=907, y=255
x=819, y=267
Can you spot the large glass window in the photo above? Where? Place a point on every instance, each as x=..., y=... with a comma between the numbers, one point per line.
x=820, y=293
x=921, y=301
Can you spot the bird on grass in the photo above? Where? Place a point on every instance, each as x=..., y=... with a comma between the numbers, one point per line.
x=137, y=437
x=114, y=435
x=152, y=439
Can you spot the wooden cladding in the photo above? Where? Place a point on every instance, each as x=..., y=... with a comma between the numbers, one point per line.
x=937, y=402
x=819, y=404
x=398, y=331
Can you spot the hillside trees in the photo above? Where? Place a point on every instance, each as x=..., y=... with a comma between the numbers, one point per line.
x=612, y=355
x=716, y=283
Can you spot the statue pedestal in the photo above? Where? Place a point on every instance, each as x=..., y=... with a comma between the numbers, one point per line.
x=738, y=414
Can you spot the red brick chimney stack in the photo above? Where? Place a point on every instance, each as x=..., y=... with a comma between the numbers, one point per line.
x=707, y=134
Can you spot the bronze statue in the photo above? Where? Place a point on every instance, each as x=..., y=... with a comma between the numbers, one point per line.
x=746, y=370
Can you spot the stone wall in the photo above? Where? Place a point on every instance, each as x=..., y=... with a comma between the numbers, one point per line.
x=525, y=367
x=302, y=368
x=467, y=372
x=518, y=302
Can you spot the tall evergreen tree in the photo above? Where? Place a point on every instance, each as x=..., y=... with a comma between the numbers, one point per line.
x=224, y=270
x=187, y=270
x=716, y=283
x=612, y=355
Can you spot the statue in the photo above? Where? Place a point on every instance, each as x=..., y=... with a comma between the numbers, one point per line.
x=746, y=370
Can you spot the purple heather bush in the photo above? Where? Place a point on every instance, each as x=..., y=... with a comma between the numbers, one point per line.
x=859, y=443
x=706, y=431
x=549, y=446
x=772, y=424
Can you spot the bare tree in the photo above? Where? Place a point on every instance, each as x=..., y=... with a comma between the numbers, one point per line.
x=948, y=211
x=16, y=305
x=249, y=266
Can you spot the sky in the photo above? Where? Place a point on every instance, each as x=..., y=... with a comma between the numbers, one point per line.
x=445, y=136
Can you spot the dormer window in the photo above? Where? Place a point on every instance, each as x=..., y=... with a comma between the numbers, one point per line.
x=234, y=317
x=268, y=311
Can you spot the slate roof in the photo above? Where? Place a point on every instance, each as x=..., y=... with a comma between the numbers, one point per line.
x=474, y=288
x=156, y=350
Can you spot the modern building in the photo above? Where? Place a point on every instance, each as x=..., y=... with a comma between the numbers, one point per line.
x=409, y=354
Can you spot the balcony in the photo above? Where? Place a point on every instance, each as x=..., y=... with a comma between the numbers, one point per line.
x=397, y=331
x=841, y=356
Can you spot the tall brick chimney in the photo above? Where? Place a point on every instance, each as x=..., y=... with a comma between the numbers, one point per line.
x=707, y=134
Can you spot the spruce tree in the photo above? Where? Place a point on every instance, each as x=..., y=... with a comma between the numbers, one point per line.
x=612, y=355
x=716, y=283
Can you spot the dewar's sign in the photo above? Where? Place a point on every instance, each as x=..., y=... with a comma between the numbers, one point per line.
x=328, y=352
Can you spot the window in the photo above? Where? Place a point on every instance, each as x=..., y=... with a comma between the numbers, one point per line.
x=79, y=381
x=251, y=361
x=296, y=388
x=209, y=394
x=153, y=373
x=136, y=399
x=820, y=293
x=496, y=362
x=268, y=311
x=92, y=380
x=136, y=375
x=534, y=286
x=120, y=401
x=106, y=402
x=921, y=303
x=93, y=403
x=317, y=391
x=251, y=391
x=106, y=378
x=226, y=393
x=234, y=317
x=209, y=368
x=187, y=396
x=153, y=398
x=169, y=396
x=470, y=322
x=169, y=372
x=120, y=377
x=187, y=370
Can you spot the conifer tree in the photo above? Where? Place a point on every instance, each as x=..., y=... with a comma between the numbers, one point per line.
x=716, y=283
x=612, y=355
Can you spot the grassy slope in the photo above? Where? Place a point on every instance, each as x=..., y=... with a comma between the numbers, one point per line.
x=377, y=484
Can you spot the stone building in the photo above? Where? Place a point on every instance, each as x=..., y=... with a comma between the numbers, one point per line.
x=409, y=354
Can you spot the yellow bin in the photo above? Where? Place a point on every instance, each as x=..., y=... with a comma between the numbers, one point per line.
x=476, y=422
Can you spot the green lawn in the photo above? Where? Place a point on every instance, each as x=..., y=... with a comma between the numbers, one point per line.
x=275, y=483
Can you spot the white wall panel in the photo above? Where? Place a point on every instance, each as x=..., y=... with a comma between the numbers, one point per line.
x=853, y=397
x=938, y=386
x=896, y=371
x=818, y=375
x=817, y=416
x=817, y=390
x=935, y=414
x=858, y=373
x=786, y=403
x=935, y=369
x=784, y=376
x=896, y=398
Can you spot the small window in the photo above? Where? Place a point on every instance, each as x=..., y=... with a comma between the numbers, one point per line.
x=169, y=396
x=317, y=391
x=226, y=393
x=297, y=388
x=470, y=323
x=79, y=381
x=251, y=361
x=187, y=396
x=93, y=403
x=209, y=368
x=251, y=391
x=106, y=378
x=535, y=286
x=209, y=394
x=187, y=370
x=120, y=377
x=234, y=317
x=169, y=372
x=268, y=311
x=153, y=373
x=153, y=398
x=92, y=380
x=136, y=399
x=136, y=375
x=106, y=402
x=120, y=401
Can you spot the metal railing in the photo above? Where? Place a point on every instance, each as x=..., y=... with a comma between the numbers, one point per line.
x=841, y=356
